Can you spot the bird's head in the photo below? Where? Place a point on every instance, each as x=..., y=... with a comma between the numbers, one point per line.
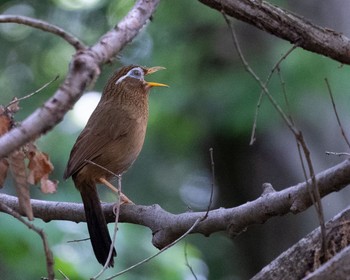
x=134, y=75
x=129, y=84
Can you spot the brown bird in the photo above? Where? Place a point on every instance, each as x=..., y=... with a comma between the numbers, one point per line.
x=112, y=139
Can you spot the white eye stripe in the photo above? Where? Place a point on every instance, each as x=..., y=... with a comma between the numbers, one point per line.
x=136, y=73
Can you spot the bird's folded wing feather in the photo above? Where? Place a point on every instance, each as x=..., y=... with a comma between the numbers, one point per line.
x=96, y=135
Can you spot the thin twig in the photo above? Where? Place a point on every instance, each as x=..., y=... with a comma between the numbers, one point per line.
x=258, y=105
x=300, y=148
x=256, y=77
x=316, y=197
x=212, y=164
x=32, y=93
x=284, y=91
x=161, y=251
x=44, y=26
x=312, y=188
x=297, y=133
x=48, y=253
x=255, y=121
x=198, y=220
x=116, y=213
x=187, y=262
x=336, y=113
x=64, y=275
x=102, y=167
x=78, y=240
x=309, y=187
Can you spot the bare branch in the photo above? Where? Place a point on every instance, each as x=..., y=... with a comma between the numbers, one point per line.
x=336, y=114
x=45, y=26
x=32, y=93
x=262, y=85
x=314, y=191
x=84, y=69
x=167, y=227
x=287, y=26
x=274, y=68
x=188, y=263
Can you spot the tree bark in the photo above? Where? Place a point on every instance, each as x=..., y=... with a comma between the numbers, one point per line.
x=287, y=26
x=305, y=259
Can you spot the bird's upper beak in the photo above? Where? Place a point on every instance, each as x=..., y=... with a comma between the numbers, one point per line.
x=152, y=70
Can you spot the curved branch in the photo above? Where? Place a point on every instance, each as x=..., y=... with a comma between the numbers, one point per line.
x=286, y=25
x=167, y=227
x=84, y=69
x=45, y=26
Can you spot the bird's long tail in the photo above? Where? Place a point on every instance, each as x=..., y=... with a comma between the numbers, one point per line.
x=96, y=222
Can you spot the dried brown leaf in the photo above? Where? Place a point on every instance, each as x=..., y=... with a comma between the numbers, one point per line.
x=5, y=123
x=48, y=186
x=4, y=165
x=39, y=165
x=18, y=170
x=13, y=107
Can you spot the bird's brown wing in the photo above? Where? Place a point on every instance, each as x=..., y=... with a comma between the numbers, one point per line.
x=95, y=136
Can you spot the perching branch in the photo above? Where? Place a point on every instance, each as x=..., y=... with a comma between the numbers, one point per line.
x=287, y=26
x=167, y=227
x=84, y=69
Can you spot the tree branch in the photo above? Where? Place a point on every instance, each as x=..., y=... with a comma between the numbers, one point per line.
x=84, y=69
x=306, y=255
x=167, y=227
x=286, y=25
x=45, y=26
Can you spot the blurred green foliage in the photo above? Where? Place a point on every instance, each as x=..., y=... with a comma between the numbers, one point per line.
x=210, y=103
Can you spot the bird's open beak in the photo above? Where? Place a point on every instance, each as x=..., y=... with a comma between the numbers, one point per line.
x=152, y=70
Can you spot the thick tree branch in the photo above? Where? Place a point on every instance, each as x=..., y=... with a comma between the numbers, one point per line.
x=306, y=256
x=336, y=268
x=286, y=25
x=84, y=69
x=167, y=227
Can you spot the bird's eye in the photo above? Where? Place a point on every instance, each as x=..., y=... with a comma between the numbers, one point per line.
x=136, y=73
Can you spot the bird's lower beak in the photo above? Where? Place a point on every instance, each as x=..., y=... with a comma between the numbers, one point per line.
x=153, y=70
x=153, y=84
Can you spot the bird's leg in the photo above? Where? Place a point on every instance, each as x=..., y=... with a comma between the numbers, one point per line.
x=124, y=199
